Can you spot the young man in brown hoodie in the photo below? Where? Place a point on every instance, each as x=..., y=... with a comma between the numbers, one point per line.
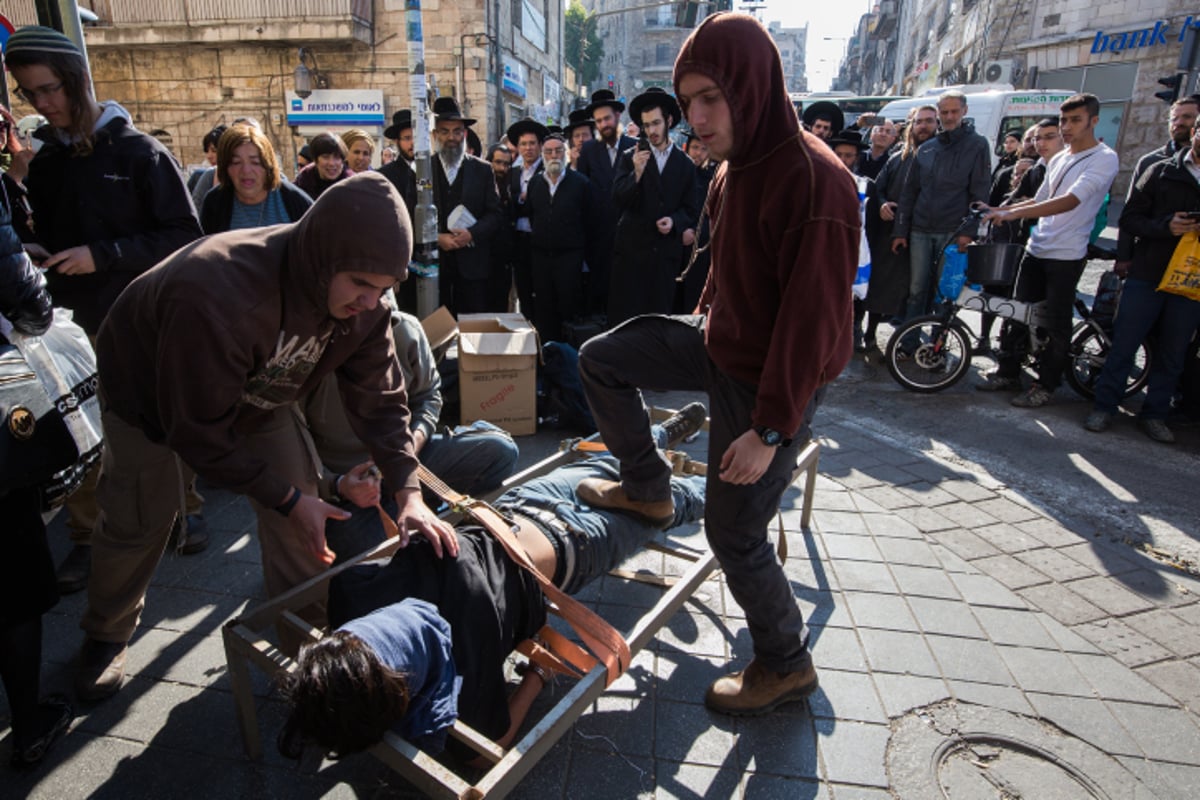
x=201, y=360
x=771, y=330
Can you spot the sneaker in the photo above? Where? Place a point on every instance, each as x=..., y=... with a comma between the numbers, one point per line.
x=197, y=535
x=74, y=570
x=995, y=382
x=56, y=715
x=100, y=669
x=1157, y=430
x=758, y=690
x=1098, y=421
x=1035, y=396
x=685, y=423
x=601, y=493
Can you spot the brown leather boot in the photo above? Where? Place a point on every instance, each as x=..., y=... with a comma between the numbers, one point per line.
x=758, y=690
x=601, y=493
x=100, y=670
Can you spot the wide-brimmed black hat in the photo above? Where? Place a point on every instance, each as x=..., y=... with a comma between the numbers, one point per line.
x=655, y=97
x=445, y=109
x=524, y=126
x=604, y=97
x=551, y=129
x=824, y=108
x=579, y=118
x=847, y=137
x=401, y=121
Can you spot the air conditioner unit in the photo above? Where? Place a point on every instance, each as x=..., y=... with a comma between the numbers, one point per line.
x=998, y=72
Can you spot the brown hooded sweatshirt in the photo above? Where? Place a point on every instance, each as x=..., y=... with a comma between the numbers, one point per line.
x=785, y=231
x=198, y=350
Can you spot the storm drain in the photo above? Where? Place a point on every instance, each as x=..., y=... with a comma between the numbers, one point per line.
x=959, y=751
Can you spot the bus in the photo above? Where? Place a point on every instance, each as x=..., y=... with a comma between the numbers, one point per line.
x=852, y=105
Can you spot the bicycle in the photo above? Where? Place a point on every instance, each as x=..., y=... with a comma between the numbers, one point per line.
x=933, y=352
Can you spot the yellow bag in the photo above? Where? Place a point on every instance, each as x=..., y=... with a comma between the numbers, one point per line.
x=1183, y=273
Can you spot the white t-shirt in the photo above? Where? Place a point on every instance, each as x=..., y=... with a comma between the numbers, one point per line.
x=1087, y=175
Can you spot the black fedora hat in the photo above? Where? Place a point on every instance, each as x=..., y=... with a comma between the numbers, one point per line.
x=401, y=121
x=445, y=109
x=579, y=118
x=524, y=126
x=604, y=97
x=554, y=129
x=654, y=97
x=825, y=109
x=847, y=137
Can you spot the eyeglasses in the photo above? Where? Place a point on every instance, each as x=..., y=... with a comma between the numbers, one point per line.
x=31, y=95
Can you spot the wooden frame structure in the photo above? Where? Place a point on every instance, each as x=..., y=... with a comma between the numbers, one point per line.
x=246, y=644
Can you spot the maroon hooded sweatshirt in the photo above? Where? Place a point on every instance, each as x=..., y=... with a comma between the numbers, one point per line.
x=785, y=231
x=199, y=350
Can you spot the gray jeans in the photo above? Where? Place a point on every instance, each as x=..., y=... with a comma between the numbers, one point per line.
x=667, y=353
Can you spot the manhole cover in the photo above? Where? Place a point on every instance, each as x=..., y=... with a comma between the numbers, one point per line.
x=961, y=751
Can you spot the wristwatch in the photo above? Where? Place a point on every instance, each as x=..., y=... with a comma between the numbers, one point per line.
x=771, y=437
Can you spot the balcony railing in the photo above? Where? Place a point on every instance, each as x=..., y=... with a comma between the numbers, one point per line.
x=205, y=12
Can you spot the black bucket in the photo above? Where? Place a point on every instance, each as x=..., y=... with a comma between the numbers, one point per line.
x=994, y=263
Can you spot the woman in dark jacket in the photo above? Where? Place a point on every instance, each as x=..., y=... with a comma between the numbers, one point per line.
x=250, y=193
x=27, y=584
x=328, y=167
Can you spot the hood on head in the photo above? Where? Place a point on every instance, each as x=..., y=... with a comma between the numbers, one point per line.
x=736, y=52
x=359, y=224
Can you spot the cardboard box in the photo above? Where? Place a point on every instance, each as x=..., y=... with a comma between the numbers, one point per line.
x=439, y=328
x=497, y=371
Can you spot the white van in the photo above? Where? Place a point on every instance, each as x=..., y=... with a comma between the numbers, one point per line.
x=994, y=113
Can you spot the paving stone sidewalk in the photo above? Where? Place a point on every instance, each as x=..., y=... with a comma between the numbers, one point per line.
x=921, y=582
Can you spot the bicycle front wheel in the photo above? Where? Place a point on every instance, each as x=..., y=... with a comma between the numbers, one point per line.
x=928, y=354
x=1089, y=349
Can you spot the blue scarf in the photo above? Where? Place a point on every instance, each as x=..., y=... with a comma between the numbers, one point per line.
x=411, y=638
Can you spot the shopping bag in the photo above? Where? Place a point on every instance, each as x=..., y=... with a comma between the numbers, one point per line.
x=953, y=275
x=52, y=434
x=1183, y=272
x=862, y=277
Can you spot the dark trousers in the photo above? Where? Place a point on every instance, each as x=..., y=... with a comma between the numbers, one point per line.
x=523, y=273
x=1143, y=310
x=1054, y=281
x=667, y=353
x=461, y=295
x=557, y=289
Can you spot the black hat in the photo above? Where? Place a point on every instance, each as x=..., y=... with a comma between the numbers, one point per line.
x=826, y=109
x=579, y=118
x=604, y=97
x=847, y=137
x=524, y=126
x=401, y=121
x=654, y=97
x=445, y=109
x=554, y=129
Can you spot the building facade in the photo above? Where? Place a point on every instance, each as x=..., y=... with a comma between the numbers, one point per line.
x=1117, y=50
x=182, y=66
x=793, y=50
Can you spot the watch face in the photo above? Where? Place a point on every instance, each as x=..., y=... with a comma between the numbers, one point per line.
x=771, y=437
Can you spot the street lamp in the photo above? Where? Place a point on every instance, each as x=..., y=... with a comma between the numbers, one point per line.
x=306, y=78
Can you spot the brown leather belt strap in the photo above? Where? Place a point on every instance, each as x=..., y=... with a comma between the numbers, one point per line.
x=601, y=639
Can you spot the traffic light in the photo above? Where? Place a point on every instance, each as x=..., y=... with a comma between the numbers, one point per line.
x=686, y=13
x=1171, y=93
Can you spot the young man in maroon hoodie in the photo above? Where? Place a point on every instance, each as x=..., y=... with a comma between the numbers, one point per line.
x=770, y=331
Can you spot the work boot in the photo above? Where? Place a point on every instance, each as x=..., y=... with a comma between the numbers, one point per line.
x=601, y=493
x=197, y=535
x=1157, y=430
x=100, y=669
x=684, y=423
x=74, y=570
x=757, y=690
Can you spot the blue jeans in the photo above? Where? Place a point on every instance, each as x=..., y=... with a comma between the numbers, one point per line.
x=600, y=539
x=1143, y=309
x=474, y=459
x=925, y=259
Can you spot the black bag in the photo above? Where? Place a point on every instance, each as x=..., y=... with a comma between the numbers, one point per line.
x=1108, y=297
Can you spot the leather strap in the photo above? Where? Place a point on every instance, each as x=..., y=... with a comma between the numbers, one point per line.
x=606, y=644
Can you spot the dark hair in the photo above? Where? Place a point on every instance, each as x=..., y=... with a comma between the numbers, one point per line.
x=497, y=148
x=212, y=138
x=1048, y=122
x=1086, y=101
x=234, y=138
x=474, y=146
x=77, y=86
x=662, y=105
x=1190, y=99
x=326, y=144
x=343, y=697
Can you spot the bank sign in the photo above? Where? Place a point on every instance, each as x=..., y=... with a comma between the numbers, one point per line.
x=1159, y=33
x=340, y=108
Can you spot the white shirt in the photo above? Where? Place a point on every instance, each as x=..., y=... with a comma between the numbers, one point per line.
x=527, y=173
x=553, y=184
x=452, y=169
x=661, y=156
x=612, y=151
x=1087, y=175
x=1190, y=162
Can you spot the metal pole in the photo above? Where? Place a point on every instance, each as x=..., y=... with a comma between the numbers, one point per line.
x=63, y=15
x=425, y=227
